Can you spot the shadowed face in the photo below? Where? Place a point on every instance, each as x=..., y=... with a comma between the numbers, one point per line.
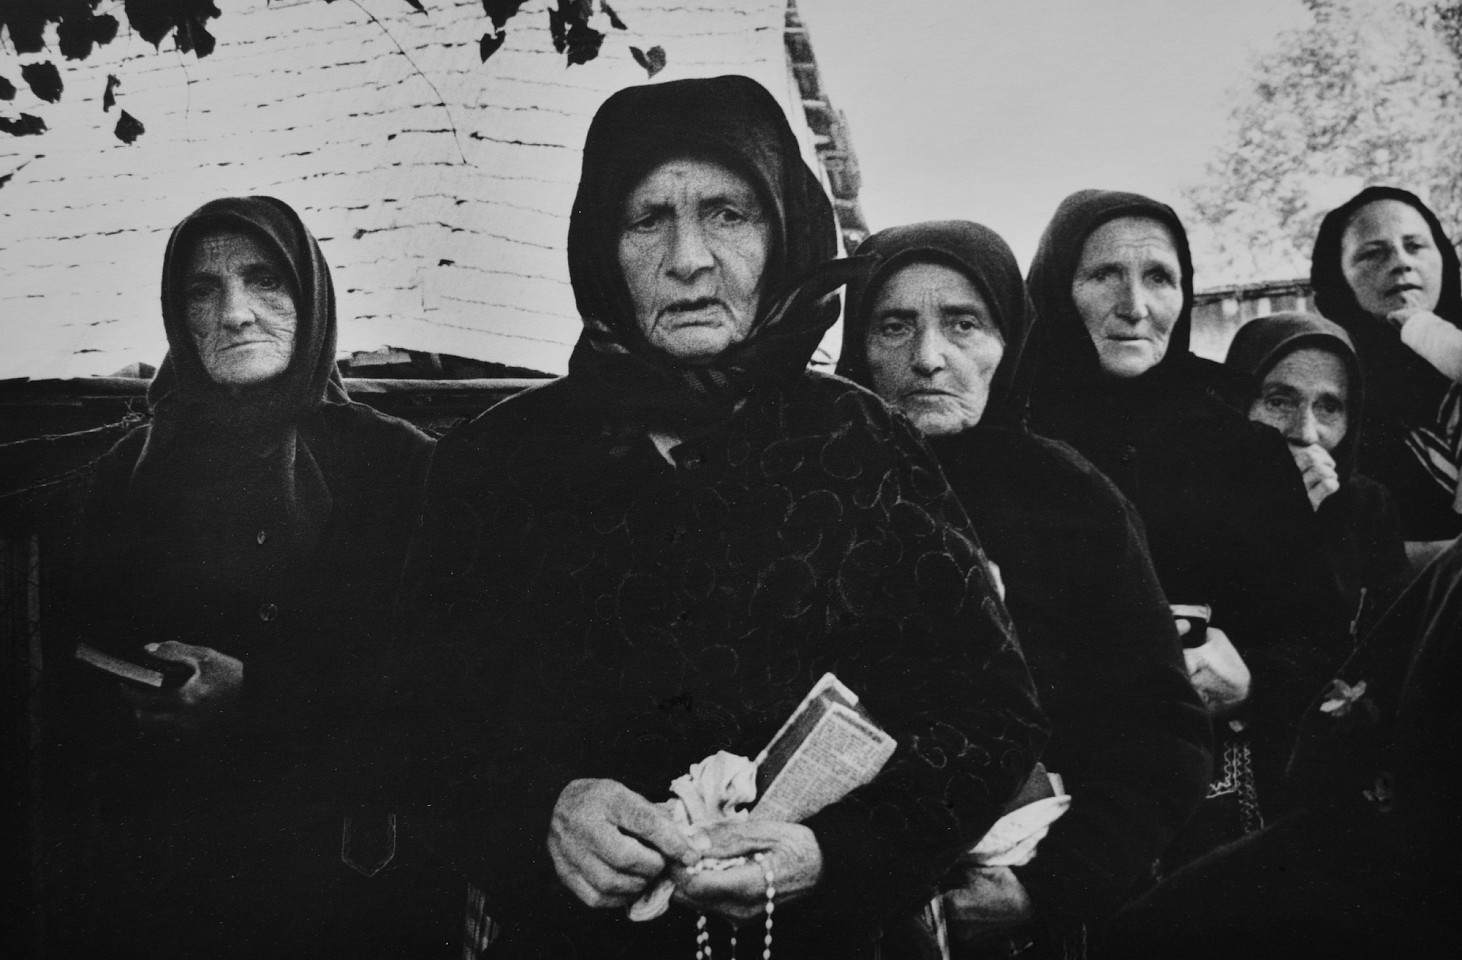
x=1305, y=397
x=693, y=245
x=933, y=346
x=240, y=309
x=1128, y=290
x=1390, y=259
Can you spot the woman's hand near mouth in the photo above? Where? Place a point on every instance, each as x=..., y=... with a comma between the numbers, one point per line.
x=1414, y=304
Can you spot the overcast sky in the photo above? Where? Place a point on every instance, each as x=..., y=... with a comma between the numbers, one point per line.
x=994, y=110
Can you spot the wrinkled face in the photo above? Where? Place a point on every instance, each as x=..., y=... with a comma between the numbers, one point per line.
x=1304, y=396
x=1390, y=259
x=1128, y=290
x=933, y=346
x=240, y=309
x=693, y=245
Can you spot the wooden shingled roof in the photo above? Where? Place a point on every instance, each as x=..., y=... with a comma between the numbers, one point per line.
x=439, y=186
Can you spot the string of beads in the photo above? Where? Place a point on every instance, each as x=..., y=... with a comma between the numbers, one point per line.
x=703, y=935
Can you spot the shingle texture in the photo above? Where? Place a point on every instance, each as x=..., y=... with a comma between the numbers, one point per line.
x=450, y=241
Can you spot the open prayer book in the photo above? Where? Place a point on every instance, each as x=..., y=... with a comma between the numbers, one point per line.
x=826, y=748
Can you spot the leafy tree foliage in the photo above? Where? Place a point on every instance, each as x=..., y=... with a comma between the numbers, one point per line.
x=80, y=29
x=1369, y=93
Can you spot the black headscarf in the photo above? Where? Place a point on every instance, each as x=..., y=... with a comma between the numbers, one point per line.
x=734, y=121
x=1263, y=342
x=200, y=431
x=981, y=255
x=1402, y=384
x=1069, y=358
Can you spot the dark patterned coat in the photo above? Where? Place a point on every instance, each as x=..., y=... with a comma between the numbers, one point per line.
x=603, y=613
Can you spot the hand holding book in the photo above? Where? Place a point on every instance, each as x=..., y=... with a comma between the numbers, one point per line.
x=826, y=748
x=200, y=703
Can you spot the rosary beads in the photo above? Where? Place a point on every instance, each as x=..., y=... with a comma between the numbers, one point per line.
x=703, y=936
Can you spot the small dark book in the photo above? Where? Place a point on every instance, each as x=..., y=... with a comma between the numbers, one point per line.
x=141, y=669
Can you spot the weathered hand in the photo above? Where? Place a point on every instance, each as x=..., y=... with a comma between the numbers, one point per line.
x=608, y=842
x=1218, y=673
x=989, y=901
x=1398, y=317
x=1318, y=470
x=200, y=704
x=739, y=894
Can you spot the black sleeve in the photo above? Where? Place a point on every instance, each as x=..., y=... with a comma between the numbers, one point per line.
x=1133, y=735
x=951, y=687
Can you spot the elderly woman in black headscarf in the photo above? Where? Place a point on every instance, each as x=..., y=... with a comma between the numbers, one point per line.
x=937, y=329
x=1227, y=518
x=1384, y=269
x=251, y=535
x=1305, y=381
x=656, y=557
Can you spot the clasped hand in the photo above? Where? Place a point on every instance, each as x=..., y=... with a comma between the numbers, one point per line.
x=990, y=901
x=201, y=703
x=1398, y=317
x=1217, y=671
x=1317, y=468
x=609, y=844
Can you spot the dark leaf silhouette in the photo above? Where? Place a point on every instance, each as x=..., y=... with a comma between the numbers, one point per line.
x=79, y=31
x=580, y=40
x=584, y=43
x=7, y=89
x=109, y=97
x=153, y=21
x=27, y=25
x=490, y=42
x=44, y=80
x=568, y=25
x=614, y=20
x=501, y=11
x=653, y=59
x=416, y=5
x=150, y=19
x=192, y=37
x=26, y=126
x=129, y=128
